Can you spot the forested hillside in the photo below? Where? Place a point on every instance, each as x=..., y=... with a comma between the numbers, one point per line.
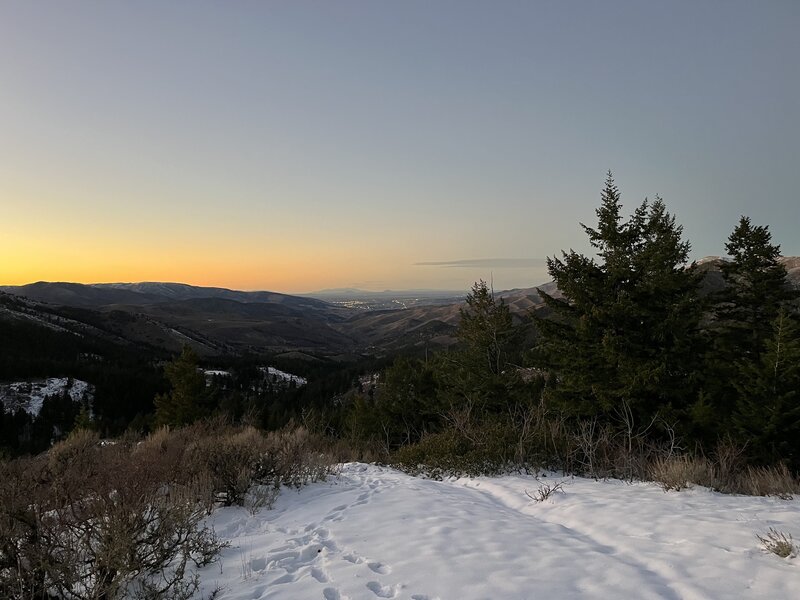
x=630, y=351
x=635, y=356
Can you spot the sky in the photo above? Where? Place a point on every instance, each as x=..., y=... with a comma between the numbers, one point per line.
x=296, y=146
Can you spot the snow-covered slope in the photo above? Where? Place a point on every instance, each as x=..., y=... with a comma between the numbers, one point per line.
x=283, y=376
x=30, y=395
x=376, y=533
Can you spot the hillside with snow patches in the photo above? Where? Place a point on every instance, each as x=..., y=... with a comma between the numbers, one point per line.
x=30, y=395
x=374, y=532
x=270, y=373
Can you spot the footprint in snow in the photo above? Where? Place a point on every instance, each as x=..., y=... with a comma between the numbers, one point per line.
x=300, y=541
x=379, y=568
x=258, y=564
x=280, y=558
x=335, y=514
x=383, y=591
x=330, y=593
x=352, y=558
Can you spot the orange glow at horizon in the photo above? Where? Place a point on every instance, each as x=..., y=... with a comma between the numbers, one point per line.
x=27, y=260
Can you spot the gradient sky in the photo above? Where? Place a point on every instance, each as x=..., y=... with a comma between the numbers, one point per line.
x=294, y=146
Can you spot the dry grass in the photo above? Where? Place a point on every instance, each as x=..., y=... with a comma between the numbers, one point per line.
x=723, y=474
x=778, y=543
x=679, y=472
x=766, y=481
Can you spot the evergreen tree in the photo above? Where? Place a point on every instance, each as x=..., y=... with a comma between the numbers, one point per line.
x=188, y=399
x=767, y=412
x=403, y=409
x=485, y=330
x=626, y=329
x=83, y=420
x=756, y=290
x=742, y=314
x=478, y=375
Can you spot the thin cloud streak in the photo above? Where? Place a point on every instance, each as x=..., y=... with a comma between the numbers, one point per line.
x=494, y=263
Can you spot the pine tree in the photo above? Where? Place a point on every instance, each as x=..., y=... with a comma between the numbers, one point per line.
x=757, y=287
x=188, y=399
x=404, y=408
x=84, y=420
x=477, y=376
x=767, y=412
x=485, y=329
x=625, y=330
x=743, y=312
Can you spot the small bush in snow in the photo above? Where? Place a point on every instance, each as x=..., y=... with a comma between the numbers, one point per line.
x=778, y=543
x=545, y=491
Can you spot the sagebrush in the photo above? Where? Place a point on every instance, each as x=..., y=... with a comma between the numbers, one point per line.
x=92, y=521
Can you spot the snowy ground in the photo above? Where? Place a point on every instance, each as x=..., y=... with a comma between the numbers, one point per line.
x=377, y=533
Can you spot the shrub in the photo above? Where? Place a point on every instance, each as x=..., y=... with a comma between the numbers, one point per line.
x=231, y=461
x=777, y=542
x=545, y=491
x=297, y=457
x=484, y=450
x=126, y=519
x=86, y=521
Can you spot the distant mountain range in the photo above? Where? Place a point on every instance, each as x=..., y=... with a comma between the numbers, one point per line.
x=219, y=320
x=146, y=293
x=212, y=320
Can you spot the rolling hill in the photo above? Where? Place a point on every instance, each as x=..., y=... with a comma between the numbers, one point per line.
x=219, y=320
